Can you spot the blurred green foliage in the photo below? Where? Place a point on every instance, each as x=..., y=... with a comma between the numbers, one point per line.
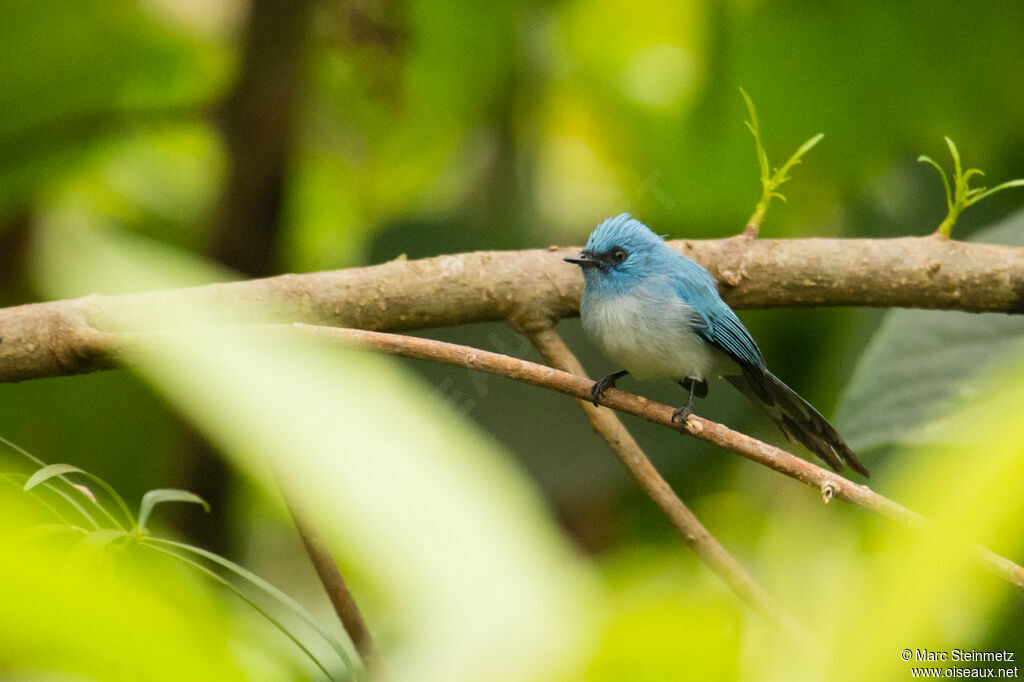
x=432, y=127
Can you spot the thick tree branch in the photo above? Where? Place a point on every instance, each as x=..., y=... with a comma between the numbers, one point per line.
x=707, y=548
x=529, y=289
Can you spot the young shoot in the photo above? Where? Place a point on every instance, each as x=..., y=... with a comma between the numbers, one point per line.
x=770, y=180
x=961, y=194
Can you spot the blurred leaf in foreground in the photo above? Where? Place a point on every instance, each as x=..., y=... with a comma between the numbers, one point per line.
x=671, y=620
x=896, y=588
x=418, y=501
x=80, y=614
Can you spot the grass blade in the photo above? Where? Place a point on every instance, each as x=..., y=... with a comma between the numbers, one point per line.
x=57, y=491
x=54, y=470
x=155, y=497
x=266, y=587
x=35, y=460
x=220, y=579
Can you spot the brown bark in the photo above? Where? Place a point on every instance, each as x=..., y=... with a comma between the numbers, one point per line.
x=528, y=289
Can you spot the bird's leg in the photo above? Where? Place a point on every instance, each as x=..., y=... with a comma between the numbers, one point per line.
x=699, y=388
x=599, y=387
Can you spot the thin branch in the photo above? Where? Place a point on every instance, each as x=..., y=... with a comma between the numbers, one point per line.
x=829, y=484
x=257, y=123
x=527, y=288
x=707, y=548
x=124, y=348
x=334, y=584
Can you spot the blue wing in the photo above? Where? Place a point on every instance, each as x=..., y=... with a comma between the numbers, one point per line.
x=715, y=322
x=718, y=324
x=726, y=332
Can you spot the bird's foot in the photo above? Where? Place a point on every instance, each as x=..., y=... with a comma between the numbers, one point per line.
x=599, y=387
x=680, y=415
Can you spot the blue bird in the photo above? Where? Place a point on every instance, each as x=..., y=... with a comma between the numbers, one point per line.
x=658, y=314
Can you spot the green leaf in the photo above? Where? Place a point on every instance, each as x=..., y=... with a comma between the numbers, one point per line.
x=753, y=124
x=155, y=497
x=782, y=174
x=261, y=584
x=971, y=172
x=52, y=470
x=755, y=129
x=263, y=612
x=921, y=361
x=75, y=504
x=945, y=179
x=999, y=188
x=805, y=147
x=49, y=471
x=956, y=158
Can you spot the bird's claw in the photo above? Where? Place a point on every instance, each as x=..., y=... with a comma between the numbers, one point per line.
x=680, y=415
x=598, y=389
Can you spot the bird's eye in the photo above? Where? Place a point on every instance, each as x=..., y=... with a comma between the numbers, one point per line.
x=618, y=254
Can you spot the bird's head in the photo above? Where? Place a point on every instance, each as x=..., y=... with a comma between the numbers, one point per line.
x=619, y=251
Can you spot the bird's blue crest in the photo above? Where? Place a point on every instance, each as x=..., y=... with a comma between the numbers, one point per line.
x=624, y=231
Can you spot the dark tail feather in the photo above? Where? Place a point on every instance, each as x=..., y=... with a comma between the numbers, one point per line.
x=797, y=418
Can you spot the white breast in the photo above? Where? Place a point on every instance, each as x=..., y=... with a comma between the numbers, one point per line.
x=650, y=339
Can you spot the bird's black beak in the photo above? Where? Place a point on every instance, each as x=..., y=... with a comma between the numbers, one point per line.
x=585, y=260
